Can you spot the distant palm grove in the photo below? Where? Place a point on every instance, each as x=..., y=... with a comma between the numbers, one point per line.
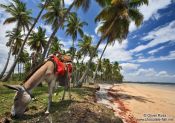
x=115, y=17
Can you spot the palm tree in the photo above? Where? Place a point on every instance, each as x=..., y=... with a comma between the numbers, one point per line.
x=24, y=58
x=19, y=14
x=15, y=38
x=37, y=40
x=84, y=45
x=76, y=3
x=17, y=43
x=116, y=72
x=56, y=46
x=115, y=20
x=53, y=16
x=98, y=64
x=74, y=27
x=9, y=10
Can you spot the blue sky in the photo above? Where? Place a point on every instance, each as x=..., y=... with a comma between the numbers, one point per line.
x=148, y=53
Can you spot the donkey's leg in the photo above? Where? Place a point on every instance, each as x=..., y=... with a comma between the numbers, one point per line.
x=64, y=93
x=51, y=87
x=69, y=89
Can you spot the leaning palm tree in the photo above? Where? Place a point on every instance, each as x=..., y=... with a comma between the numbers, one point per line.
x=53, y=16
x=15, y=38
x=115, y=19
x=74, y=27
x=84, y=4
x=11, y=11
x=19, y=15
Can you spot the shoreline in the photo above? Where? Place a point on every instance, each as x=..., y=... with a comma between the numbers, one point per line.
x=146, y=104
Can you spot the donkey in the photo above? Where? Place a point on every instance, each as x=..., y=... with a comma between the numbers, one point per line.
x=23, y=92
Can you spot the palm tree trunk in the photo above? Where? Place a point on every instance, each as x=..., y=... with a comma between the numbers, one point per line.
x=73, y=71
x=91, y=57
x=18, y=72
x=88, y=64
x=21, y=48
x=99, y=63
x=55, y=31
x=7, y=62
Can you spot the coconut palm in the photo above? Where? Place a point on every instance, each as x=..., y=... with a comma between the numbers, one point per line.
x=53, y=16
x=15, y=38
x=19, y=14
x=17, y=43
x=115, y=19
x=30, y=30
x=84, y=45
x=24, y=58
x=37, y=40
x=74, y=27
x=98, y=64
x=56, y=46
x=116, y=72
x=77, y=4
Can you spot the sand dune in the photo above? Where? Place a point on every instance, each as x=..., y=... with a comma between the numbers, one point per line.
x=147, y=103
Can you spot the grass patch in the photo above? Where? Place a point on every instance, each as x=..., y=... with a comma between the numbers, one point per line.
x=80, y=109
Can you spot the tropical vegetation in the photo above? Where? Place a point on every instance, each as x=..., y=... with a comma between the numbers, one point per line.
x=115, y=17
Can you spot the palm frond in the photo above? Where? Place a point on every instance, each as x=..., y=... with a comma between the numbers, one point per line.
x=84, y=4
x=136, y=16
x=10, y=20
x=137, y=3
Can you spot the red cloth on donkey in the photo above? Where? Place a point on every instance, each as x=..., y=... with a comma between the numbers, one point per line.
x=60, y=66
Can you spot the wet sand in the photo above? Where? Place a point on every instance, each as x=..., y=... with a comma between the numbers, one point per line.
x=146, y=103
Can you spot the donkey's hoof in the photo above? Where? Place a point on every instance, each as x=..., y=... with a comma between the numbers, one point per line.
x=47, y=112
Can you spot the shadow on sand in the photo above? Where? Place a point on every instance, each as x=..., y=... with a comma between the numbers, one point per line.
x=129, y=97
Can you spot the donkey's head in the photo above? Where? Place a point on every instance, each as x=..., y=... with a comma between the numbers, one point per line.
x=21, y=100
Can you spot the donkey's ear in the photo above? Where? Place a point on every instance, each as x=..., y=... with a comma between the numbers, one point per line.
x=14, y=87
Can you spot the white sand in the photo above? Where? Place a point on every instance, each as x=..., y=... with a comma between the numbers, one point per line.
x=148, y=103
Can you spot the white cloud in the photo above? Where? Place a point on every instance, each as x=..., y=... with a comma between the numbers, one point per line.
x=129, y=66
x=5, y=1
x=3, y=39
x=159, y=35
x=170, y=56
x=148, y=75
x=145, y=72
x=163, y=74
x=99, y=24
x=48, y=28
x=156, y=50
x=67, y=44
x=68, y=2
x=151, y=11
x=116, y=52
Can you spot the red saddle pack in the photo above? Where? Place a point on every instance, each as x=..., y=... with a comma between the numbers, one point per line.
x=60, y=67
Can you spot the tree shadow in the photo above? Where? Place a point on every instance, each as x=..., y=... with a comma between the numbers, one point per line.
x=55, y=107
x=129, y=97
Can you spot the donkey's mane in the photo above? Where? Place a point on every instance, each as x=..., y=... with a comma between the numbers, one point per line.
x=33, y=71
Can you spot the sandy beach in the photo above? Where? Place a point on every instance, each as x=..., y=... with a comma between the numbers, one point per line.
x=146, y=103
